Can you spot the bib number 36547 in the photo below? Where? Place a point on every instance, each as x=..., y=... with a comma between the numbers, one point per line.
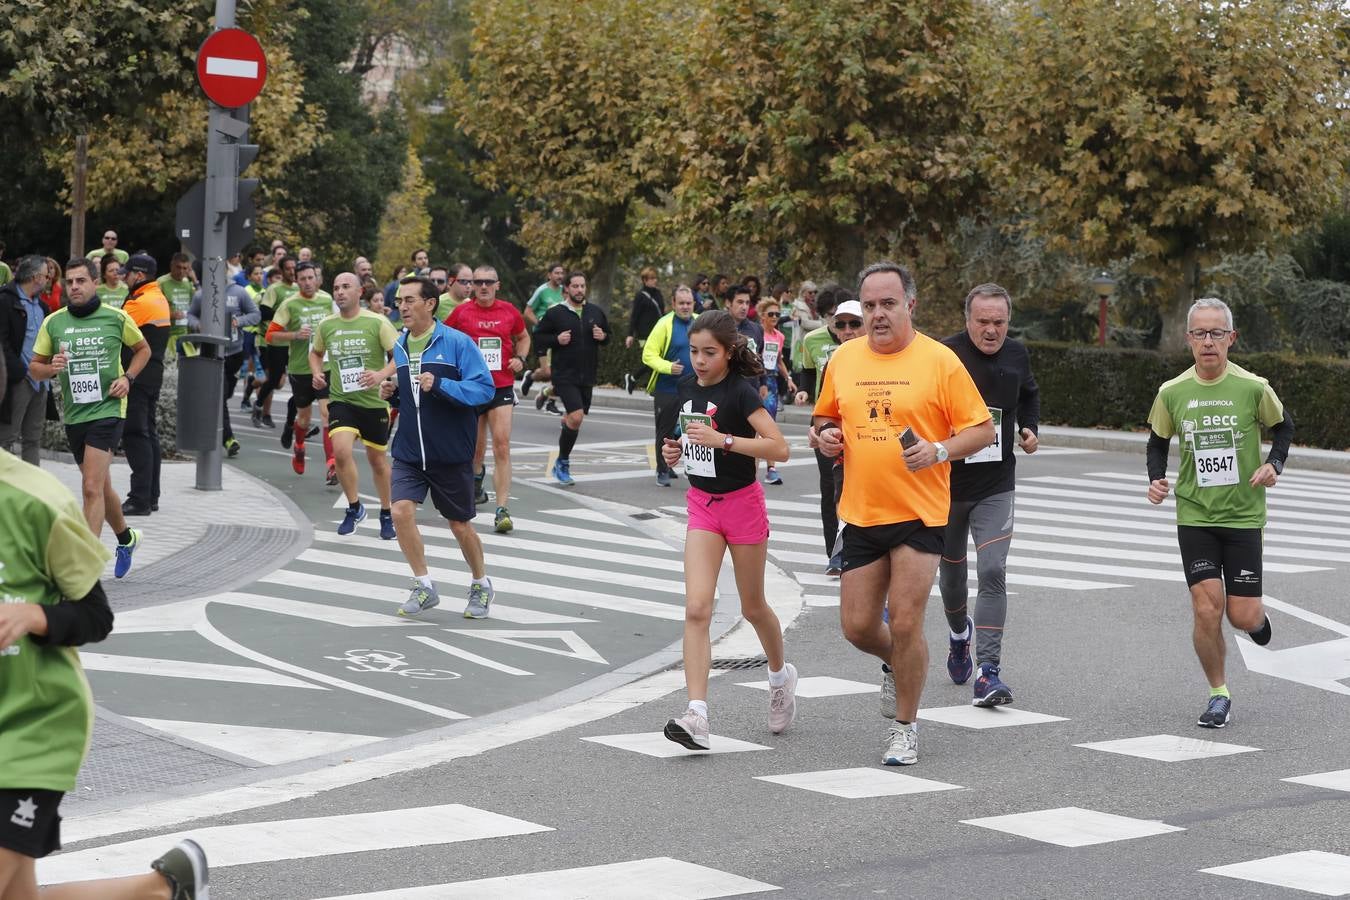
x=1215, y=458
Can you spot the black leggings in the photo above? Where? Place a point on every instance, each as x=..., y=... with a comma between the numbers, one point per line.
x=274, y=362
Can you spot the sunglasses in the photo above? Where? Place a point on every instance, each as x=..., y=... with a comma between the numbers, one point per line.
x=463, y=281
x=440, y=281
x=482, y=281
x=770, y=315
x=848, y=323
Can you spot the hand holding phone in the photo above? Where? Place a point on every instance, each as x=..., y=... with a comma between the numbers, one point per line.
x=908, y=438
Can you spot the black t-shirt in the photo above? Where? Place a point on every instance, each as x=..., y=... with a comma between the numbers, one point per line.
x=730, y=403
x=1009, y=390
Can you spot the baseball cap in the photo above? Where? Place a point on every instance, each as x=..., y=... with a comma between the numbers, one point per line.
x=143, y=263
x=848, y=307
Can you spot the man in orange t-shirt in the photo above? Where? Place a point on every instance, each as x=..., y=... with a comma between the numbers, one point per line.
x=896, y=508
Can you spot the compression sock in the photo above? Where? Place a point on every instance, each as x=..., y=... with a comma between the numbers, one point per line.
x=1220, y=691
x=567, y=439
x=299, y=431
x=327, y=445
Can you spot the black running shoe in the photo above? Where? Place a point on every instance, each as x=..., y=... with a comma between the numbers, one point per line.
x=1217, y=714
x=526, y=382
x=1261, y=636
x=288, y=435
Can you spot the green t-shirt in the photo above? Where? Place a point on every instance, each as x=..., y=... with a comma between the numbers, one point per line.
x=179, y=295
x=277, y=293
x=544, y=298
x=445, y=305
x=112, y=296
x=95, y=344
x=416, y=344
x=1220, y=427
x=5, y=274
x=353, y=346
x=49, y=554
x=119, y=255
x=295, y=313
x=817, y=348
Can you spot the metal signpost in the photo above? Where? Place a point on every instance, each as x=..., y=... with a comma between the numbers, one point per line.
x=231, y=69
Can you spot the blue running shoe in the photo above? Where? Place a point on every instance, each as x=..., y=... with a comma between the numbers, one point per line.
x=989, y=689
x=123, y=564
x=959, y=665
x=387, y=531
x=562, y=472
x=1217, y=714
x=353, y=518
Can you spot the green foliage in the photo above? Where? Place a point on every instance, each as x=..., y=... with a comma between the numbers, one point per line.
x=1325, y=252
x=405, y=226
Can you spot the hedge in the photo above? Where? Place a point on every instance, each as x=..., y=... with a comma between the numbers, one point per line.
x=1095, y=387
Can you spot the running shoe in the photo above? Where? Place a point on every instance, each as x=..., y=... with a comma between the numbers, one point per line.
x=772, y=477
x=835, y=567
x=990, y=689
x=353, y=518
x=184, y=867
x=297, y=459
x=689, y=730
x=231, y=448
x=287, y=436
x=902, y=745
x=313, y=430
x=525, y=383
x=480, y=598
x=419, y=599
x=552, y=406
x=123, y=563
x=562, y=472
x=387, y=531
x=887, y=692
x=480, y=495
x=1217, y=714
x=959, y=665
x=629, y=382
x=267, y=421
x=663, y=479
x=540, y=400
x=255, y=417
x=244, y=404
x=501, y=523
x=1261, y=636
x=783, y=702
x=330, y=478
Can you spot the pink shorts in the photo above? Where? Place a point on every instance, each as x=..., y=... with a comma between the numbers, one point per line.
x=740, y=516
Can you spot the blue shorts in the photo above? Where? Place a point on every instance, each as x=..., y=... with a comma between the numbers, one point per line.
x=450, y=484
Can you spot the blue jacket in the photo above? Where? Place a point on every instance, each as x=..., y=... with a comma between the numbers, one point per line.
x=442, y=426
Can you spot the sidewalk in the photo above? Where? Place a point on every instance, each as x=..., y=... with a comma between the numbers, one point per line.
x=1307, y=458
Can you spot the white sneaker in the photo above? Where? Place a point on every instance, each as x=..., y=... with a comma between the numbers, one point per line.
x=783, y=702
x=902, y=745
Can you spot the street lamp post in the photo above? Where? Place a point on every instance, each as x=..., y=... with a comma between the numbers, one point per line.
x=1105, y=286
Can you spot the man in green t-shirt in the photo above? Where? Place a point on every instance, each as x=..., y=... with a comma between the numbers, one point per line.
x=109, y=247
x=178, y=289
x=545, y=297
x=359, y=345
x=458, y=288
x=81, y=343
x=295, y=323
x=1218, y=409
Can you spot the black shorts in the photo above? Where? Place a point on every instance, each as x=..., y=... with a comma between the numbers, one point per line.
x=573, y=396
x=505, y=396
x=371, y=424
x=1233, y=554
x=100, y=434
x=864, y=545
x=302, y=389
x=29, y=823
x=450, y=484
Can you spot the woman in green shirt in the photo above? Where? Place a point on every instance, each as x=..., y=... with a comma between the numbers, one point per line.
x=111, y=289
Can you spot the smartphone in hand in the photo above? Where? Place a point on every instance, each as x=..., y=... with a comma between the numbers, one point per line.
x=907, y=438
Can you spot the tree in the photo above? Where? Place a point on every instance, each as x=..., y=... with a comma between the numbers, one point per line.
x=825, y=129
x=1168, y=132
x=405, y=226
x=565, y=101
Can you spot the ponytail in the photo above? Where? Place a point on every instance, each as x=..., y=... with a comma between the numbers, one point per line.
x=741, y=360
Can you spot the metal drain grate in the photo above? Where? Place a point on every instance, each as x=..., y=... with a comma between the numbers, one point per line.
x=727, y=663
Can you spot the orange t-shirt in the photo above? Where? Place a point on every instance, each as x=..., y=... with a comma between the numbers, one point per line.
x=874, y=396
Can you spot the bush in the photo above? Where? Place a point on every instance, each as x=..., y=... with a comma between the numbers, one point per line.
x=1093, y=387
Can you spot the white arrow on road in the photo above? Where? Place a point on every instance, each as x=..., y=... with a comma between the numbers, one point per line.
x=1322, y=665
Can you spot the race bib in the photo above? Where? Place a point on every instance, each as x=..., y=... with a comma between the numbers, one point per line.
x=350, y=369
x=994, y=452
x=771, y=356
x=1215, y=458
x=414, y=365
x=697, y=459
x=491, y=348
x=85, y=385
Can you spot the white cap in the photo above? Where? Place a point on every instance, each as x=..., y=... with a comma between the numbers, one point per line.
x=849, y=307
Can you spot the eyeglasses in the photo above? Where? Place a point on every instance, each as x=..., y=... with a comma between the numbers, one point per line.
x=848, y=323
x=1216, y=334
x=483, y=281
x=770, y=315
x=440, y=281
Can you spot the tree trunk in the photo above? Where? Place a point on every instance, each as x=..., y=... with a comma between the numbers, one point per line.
x=852, y=258
x=1183, y=295
x=609, y=235
x=77, y=196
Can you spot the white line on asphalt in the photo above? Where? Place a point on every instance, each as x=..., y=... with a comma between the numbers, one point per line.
x=326, y=613
x=576, y=647
x=268, y=746
x=177, y=668
x=467, y=655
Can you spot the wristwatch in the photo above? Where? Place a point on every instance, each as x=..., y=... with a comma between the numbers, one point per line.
x=1277, y=465
x=728, y=441
x=941, y=452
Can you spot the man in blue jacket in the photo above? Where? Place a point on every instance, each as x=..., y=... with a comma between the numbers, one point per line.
x=442, y=380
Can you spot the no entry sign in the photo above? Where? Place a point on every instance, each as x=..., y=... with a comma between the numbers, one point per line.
x=231, y=67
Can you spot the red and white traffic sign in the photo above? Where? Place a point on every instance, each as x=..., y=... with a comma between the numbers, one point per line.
x=231, y=67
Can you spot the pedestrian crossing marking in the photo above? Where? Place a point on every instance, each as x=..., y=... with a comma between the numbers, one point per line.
x=267, y=746
x=329, y=614
x=1333, y=781
x=1072, y=826
x=1168, y=748
x=859, y=783
x=287, y=839
x=468, y=656
x=657, y=744
x=986, y=717
x=1314, y=871
x=821, y=686
x=527, y=640
x=198, y=671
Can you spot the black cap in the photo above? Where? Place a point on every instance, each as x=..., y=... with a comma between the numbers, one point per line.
x=143, y=263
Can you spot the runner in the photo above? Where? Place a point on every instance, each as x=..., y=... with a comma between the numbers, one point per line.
x=775, y=367
x=982, y=492
x=295, y=322
x=275, y=355
x=51, y=601
x=1218, y=409
x=545, y=297
x=724, y=428
x=82, y=343
x=253, y=371
x=458, y=288
x=442, y=381
x=178, y=289
x=574, y=331
x=899, y=405
x=499, y=331
x=666, y=353
x=360, y=344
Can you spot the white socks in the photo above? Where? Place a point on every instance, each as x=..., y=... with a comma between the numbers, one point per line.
x=963, y=636
x=482, y=582
x=700, y=707
x=779, y=678
x=425, y=581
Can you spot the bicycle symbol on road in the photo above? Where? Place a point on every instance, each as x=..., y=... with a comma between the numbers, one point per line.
x=390, y=662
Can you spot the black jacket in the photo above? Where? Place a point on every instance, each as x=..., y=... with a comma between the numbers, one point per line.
x=13, y=327
x=577, y=361
x=1006, y=384
x=648, y=307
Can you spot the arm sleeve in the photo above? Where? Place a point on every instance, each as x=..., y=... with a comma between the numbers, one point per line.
x=545, y=333
x=1282, y=435
x=1029, y=402
x=251, y=315
x=195, y=312
x=71, y=623
x=1157, y=455
x=806, y=380
x=604, y=326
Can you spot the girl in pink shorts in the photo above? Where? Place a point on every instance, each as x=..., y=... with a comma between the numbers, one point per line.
x=724, y=428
